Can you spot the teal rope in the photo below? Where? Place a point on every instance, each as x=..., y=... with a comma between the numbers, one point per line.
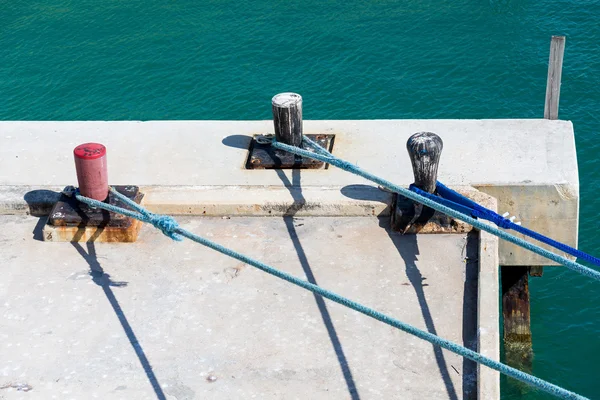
x=347, y=166
x=163, y=222
x=170, y=228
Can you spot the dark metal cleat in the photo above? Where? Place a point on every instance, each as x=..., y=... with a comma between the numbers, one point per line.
x=73, y=221
x=263, y=156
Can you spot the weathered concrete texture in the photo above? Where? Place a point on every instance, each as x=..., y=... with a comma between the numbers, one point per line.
x=197, y=167
x=163, y=319
x=549, y=209
x=488, y=315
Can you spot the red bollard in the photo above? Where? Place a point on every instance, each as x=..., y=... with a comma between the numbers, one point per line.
x=92, y=174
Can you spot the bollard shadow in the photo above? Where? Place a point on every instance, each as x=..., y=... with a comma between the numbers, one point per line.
x=408, y=248
x=238, y=141
x=40, y=202
x=38, y=230
x=103, y=280
x=368, y=193
x=296, y=192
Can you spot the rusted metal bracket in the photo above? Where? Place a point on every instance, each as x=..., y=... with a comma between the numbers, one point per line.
x=408, y=217
x=263, y=156
x=72, y=221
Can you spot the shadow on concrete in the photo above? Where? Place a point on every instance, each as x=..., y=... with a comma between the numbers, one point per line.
x=408, y=248
x=238, y=141
x=103, y=280
x=40, y=202
x=299, y=200
x=367, y=193
x=471, y=294
x=38, y=230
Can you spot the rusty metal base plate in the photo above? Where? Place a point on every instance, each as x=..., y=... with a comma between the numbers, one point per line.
x=72, y=221
x=408, y=217
x=263, y=156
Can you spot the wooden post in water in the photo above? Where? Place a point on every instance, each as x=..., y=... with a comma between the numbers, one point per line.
x=516, y=316
x=287, y=118
x=557, y=52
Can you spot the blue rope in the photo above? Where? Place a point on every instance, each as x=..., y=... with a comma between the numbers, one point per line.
x=347, y=166
x=443, y=201
x=170, y=228
x=459, y=202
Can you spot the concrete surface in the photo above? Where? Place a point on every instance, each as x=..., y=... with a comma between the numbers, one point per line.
x=488, y=320
x=196, y=167
x=169, y=320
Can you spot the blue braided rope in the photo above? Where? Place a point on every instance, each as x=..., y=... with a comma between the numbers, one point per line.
x=490, y=215
x=443, y=201
x=354, y=169
x=170, y=228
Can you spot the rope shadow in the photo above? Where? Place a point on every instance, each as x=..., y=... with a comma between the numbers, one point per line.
x=102, y=279
x=408, y=248
x=299, y=201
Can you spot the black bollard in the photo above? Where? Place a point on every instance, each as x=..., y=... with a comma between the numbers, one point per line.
x=424, y=150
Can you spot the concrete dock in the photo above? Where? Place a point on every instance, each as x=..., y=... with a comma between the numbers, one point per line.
x=163, y=319
x=166, y=320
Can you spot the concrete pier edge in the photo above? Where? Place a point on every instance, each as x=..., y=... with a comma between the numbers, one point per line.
x=197, y=168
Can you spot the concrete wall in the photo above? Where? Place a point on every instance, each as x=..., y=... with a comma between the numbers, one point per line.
x=196, y=167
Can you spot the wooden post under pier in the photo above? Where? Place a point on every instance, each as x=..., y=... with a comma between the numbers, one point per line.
x=516, y=317
x=515, y=279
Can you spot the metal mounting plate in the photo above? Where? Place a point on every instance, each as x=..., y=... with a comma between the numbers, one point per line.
x=263, y=156
x=72, y=221
x=408, y=217
x=70, y=212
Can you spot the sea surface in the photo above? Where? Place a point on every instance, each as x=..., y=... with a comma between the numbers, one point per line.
x=220, y=59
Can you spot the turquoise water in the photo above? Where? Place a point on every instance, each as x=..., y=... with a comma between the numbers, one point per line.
x=181, y=59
